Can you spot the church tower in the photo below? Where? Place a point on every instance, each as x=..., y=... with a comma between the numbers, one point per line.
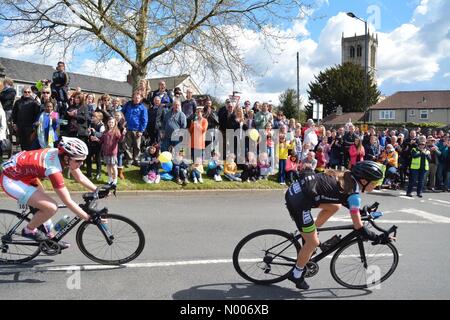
x=353, y=50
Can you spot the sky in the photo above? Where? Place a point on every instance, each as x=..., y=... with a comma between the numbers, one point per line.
x=413, y=50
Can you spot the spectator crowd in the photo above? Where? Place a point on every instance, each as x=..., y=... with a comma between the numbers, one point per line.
x=242, y=143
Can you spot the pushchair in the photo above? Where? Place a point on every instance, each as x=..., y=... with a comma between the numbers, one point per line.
x=391, y=177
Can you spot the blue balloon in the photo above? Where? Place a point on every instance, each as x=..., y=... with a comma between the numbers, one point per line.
x=167, y=166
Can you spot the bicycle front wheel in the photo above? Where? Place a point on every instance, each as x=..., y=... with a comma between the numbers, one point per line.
x=359, y=264
x=266, y=256
x=15, y=249
x=126, y=240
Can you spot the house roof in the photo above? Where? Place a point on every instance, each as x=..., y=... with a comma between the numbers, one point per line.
x=28, y=72
x=334, y=119
x=415, y=100
x=171, y=82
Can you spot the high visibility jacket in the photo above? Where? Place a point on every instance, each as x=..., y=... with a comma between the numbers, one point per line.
x=418, y=157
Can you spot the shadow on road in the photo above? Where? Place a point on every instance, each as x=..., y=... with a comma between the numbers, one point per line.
x=380, y=194
x=246, y=291
x=16, y=270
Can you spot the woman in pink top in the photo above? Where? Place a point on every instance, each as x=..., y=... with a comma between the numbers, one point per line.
x=291, y=168
x=356, y=152
x=110, y=147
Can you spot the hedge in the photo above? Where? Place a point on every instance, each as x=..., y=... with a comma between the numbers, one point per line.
x=409, y=125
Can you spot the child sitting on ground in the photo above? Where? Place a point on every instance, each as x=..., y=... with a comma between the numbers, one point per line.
x=180, y=169
x=215, y=168
x=230, y=168
x=264, y=166
x=197, y=170
x=251, y=170
x=149, y=164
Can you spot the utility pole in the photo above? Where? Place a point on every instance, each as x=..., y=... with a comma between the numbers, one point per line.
x=298, y=81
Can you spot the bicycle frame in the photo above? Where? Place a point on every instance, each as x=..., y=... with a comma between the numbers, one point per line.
x=349, y=237
x=61, y=234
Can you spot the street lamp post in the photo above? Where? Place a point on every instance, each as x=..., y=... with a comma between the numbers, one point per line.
x=366, y=66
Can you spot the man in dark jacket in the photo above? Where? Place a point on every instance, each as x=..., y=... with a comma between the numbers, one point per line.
x=173, y=121
x=226, y=120
x=7, y=97
x=156, y=114
x=60, y=82
x=188, y=107
x=24, y=114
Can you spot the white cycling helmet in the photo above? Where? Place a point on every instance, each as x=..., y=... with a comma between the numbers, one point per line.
x=74, y=148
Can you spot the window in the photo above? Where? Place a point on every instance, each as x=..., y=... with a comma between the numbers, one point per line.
x=352, y=52
x=359, y=51
x=387, y=115
x=19, y=89
x=423, y=114
x=412, y=113
x=373, y=57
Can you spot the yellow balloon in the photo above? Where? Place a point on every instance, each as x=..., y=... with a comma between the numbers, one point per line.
x=165, y=157
x=254, y=134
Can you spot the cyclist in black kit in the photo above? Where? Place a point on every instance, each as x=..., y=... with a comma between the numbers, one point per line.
x=328, y=191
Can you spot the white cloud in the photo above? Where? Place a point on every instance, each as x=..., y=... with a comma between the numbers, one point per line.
x=410, y=53
x=114, y=69
x=12, y=49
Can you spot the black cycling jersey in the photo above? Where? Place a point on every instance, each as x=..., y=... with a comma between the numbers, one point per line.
x=310, y=191
x=321, y=188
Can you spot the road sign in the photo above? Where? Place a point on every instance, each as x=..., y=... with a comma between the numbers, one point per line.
x=317, y=111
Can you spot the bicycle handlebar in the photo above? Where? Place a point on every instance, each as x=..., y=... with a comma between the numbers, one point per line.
x=91, y=198
x=366, y=212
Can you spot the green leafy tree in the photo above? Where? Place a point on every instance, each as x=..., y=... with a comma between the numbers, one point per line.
x=288, y=104
x=342, y=85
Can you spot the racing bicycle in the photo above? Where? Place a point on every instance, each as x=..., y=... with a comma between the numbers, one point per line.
x=267, y=256
x=107, y=238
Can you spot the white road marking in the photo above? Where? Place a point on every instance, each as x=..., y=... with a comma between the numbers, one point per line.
x=441, y=201
x=439, y=204
x=405, y=197
x=384, y=221
x=131, y=265
x=426, y=215
x=66, y=268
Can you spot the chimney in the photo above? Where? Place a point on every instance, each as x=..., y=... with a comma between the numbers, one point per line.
x=339, y=111
x=129, y=78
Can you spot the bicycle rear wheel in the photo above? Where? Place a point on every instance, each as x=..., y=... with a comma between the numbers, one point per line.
x=266, y=256
x=15, y=249
x=348, y=269
x=128, y=240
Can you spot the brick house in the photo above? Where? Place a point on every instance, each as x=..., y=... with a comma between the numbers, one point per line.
x=413, y=106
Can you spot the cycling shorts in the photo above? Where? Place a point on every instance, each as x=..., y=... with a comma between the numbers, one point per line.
x=17, y=189
x=299, y=207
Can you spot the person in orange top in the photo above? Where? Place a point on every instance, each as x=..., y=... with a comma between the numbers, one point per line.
x=198, y=130
x=389, y=158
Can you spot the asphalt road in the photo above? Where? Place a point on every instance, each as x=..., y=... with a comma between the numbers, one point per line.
x=190, y=238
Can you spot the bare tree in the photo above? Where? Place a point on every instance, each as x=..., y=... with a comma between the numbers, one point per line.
x=193, y=36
